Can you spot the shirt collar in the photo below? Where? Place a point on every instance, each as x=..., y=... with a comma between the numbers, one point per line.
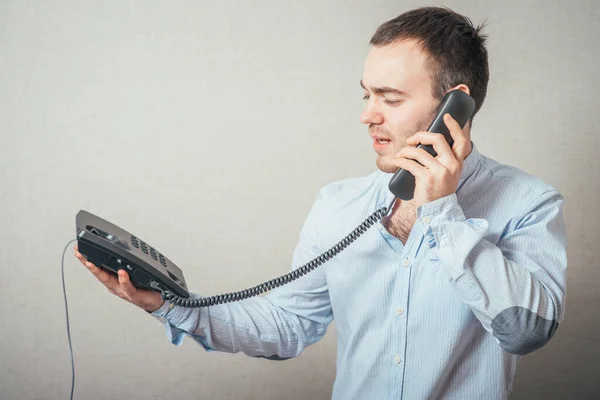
x=470, y=163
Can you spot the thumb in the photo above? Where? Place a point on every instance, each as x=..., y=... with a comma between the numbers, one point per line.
x=126, y=286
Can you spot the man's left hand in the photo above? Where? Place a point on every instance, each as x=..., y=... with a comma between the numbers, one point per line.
x=435, y=177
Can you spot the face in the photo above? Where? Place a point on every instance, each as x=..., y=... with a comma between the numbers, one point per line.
x=398, y=98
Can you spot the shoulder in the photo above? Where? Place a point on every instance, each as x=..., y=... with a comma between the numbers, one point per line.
x=516, y=183
x=342, y=204
x=511, y=193
x=350, y=190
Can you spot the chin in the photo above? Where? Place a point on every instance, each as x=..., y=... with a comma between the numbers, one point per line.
x=385, y=166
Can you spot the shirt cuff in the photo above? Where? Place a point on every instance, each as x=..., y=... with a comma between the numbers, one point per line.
x=163, y=310
x=175, y=335
x=177, y=323
x=444, y=208
x=451, y=234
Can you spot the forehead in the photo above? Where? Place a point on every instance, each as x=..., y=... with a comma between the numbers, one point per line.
x=401, y=65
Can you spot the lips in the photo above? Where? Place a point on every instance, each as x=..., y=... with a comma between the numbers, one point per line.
x=381, y=139
x=380, y=143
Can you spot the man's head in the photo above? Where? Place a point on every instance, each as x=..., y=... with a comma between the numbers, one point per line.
x=414, y=60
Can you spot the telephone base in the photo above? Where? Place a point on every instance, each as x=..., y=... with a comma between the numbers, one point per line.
x=111, y=248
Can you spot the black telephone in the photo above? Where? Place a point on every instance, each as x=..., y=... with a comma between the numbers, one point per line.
x=460, y=106
x=112, y=248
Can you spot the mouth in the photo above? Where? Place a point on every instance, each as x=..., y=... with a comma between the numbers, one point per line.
x=380, y=144
x=382, y=141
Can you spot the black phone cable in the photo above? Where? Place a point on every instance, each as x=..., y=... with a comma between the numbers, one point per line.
x=282, y=280
x=67, y=314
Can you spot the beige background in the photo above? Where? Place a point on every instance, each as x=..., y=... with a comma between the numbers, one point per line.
x=206, y=128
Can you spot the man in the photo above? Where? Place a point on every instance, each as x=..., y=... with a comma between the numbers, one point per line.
x=445, y=295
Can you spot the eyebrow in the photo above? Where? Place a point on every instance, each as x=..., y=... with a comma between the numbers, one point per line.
x=383, y=89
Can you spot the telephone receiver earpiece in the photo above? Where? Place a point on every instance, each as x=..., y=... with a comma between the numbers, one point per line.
x=460, y=106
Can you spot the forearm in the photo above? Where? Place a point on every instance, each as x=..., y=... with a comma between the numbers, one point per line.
x=510, y=301
x=255, y=327
x=515, y=290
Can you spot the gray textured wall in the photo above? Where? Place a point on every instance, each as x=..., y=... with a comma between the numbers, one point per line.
x=207, y=128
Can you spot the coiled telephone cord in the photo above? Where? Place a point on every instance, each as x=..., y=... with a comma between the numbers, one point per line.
x=284, y=279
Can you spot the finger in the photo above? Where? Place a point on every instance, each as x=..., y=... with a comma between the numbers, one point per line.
x=80, y=257
x=461, y=140
x=108, y=280
x=411, y=166
x=421, y=156
x=438, y=141
x=126, y=285
x=445, y=155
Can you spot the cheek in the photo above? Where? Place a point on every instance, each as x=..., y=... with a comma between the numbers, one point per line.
x=402, y=126
x=408, y=121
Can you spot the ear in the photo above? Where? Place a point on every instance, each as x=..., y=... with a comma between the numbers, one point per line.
x=462, y=87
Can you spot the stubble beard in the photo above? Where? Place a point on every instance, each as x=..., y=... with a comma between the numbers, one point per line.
x=383, y=161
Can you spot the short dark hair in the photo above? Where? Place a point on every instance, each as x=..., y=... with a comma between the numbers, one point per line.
x=455, y=48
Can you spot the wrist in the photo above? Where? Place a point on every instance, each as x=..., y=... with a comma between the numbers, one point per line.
x=155, y=304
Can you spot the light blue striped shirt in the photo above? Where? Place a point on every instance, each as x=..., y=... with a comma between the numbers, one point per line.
x=479, y=283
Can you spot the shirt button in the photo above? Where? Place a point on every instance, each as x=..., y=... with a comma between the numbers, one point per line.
x=405, y=262
x=443, y=243
x=399, y=310
x=426, y=220
x=397, y=359
x=161, y=319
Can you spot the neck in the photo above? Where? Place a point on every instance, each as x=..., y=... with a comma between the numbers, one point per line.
x=469, y=146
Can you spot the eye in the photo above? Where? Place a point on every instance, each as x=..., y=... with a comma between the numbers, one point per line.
x=392, y=102
x=366, y=97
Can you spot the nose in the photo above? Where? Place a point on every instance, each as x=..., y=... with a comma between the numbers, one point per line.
x=371, y=115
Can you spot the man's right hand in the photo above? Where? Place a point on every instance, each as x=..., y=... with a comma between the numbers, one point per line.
x=149, y=300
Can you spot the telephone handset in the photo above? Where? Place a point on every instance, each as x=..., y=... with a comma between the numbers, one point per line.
x=460, y=106
x=112, y=248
